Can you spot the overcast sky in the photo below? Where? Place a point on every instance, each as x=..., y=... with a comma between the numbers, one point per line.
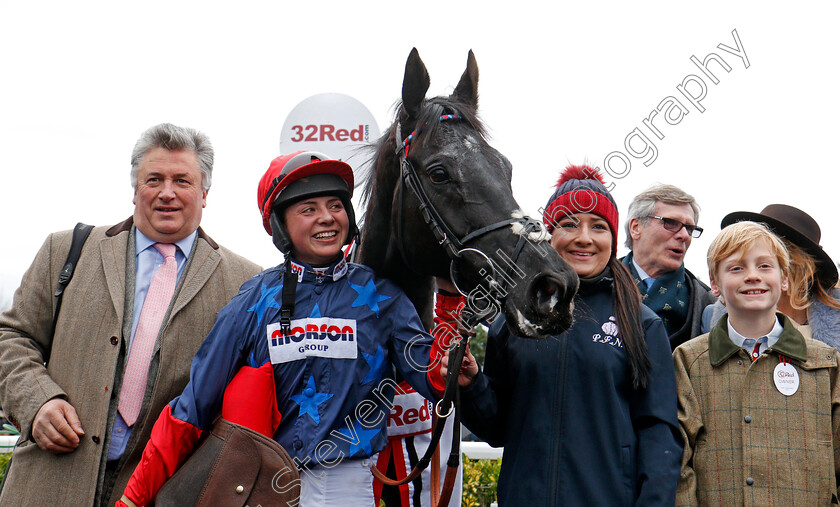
x=81, y=81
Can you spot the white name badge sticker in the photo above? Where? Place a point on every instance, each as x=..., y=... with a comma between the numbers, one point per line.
x=786, y=378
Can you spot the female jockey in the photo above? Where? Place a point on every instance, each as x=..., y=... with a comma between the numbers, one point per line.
x=331, y=331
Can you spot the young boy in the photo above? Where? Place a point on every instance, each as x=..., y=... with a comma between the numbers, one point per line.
x=759, y=405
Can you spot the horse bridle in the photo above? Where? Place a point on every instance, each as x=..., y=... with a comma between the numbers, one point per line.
x=455, y=247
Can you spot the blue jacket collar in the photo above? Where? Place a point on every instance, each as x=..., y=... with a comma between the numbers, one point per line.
x=305, y=272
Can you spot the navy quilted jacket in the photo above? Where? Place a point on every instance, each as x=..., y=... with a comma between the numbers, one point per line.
x=575, y=432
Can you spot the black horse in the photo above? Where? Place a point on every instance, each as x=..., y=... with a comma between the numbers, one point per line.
x=438, y=193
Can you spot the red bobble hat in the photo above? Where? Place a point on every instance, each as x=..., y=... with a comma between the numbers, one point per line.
x=580, y=189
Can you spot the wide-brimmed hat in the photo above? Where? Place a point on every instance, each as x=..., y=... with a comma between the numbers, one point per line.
x=799, y=228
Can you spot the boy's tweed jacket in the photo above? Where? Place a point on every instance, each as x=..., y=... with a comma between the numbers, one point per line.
x=93, y=329
x=746, y=443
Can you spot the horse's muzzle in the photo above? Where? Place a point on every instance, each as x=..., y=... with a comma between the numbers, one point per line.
x=542, y=306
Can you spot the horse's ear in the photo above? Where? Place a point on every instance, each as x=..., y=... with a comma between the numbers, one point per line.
x=467, y=89
x=415, y=84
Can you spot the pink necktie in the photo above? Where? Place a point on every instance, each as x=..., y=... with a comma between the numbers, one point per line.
x=148, y=327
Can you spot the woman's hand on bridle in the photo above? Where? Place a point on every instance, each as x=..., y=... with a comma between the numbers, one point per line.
x=469, y=368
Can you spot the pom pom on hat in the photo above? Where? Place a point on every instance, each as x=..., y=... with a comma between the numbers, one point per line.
x=579, y=172
x=580, y=189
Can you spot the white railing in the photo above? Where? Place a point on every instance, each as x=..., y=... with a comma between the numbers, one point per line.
x=7, y=443
x=481, y=450
x=473, y=450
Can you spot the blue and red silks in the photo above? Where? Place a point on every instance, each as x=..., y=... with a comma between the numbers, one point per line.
x=351, y=334
x=250, y=400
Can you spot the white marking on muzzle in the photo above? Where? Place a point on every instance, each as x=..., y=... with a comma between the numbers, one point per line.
x=554, y=299
x=524, y=325
x=519, y=230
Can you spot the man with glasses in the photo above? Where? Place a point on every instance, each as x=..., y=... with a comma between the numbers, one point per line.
x=661, y=222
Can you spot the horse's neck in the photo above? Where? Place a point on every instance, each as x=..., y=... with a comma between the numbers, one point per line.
x=379, y=250
x=390, y=264
x=376, y=234
x=419, y=290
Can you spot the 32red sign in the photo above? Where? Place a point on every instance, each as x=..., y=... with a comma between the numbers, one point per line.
x=327, y=132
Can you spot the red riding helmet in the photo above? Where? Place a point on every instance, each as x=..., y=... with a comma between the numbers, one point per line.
x=296, y=176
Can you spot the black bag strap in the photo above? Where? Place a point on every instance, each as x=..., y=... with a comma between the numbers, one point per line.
x=80, y=235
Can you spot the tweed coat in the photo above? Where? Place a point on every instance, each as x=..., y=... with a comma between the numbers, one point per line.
x=85, y=356
x=745, y=442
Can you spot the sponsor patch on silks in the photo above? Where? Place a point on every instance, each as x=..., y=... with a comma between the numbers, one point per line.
x=314, y=337
x=298, y=270
x=410, y=415
x=340, y=269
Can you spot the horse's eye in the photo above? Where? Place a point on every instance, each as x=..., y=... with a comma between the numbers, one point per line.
x=438, y=175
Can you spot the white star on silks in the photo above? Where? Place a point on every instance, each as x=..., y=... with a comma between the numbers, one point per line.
x=309, y=403
x=368, y=296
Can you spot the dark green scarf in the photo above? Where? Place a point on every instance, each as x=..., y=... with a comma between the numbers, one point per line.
x=667, y=297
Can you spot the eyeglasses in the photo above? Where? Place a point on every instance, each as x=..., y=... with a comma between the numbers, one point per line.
x=676, y=226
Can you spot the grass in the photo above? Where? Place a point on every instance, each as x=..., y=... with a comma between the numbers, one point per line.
x=4, y=459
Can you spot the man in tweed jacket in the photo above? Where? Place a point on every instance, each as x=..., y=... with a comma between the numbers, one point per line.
x=73, y=450
x=761, y=419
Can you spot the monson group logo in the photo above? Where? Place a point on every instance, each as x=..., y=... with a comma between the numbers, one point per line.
x=314, y=337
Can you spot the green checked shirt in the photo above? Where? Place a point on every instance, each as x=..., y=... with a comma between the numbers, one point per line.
x=745, y=442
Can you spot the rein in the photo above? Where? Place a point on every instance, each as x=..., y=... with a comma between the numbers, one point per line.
x=455, y=247
x=452, y=399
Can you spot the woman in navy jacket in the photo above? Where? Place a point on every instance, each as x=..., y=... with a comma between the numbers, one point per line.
x=587, y=417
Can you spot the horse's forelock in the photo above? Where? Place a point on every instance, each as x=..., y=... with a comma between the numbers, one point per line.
x=435, y=107
x=384, y=149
